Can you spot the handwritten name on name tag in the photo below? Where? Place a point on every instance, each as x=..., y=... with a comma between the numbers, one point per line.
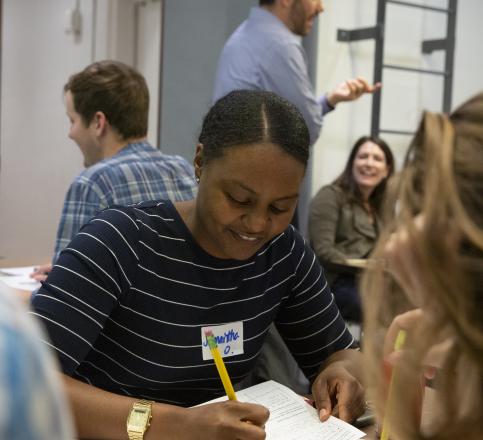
x=229, y=338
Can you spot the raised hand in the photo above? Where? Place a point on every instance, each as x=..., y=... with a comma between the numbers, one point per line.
x=351, y=90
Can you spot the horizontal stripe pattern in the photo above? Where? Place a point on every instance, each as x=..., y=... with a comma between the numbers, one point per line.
x=125, y=303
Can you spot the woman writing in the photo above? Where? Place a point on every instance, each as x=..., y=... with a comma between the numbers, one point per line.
x=434, y=254
x=344, y=219
x=129, y=299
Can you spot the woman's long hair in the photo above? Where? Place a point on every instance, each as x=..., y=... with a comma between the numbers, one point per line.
x=442, y=181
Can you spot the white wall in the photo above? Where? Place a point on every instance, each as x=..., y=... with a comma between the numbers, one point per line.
x=469, y=50
x=38, y=161
x=148, y=59
x=404, y=94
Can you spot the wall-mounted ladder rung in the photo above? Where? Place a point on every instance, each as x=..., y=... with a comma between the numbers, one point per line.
x=376, y=33
x=359, y=34
x=413, y=69
x=429, y=46
x=415, y=5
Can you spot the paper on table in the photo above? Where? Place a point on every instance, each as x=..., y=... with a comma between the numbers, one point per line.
x=290, y=416
x=18, y=278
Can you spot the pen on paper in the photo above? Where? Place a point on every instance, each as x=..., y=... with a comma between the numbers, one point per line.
x=400, y=339
x=220, y=365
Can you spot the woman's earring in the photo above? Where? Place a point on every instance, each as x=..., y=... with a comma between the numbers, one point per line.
x=197, y=179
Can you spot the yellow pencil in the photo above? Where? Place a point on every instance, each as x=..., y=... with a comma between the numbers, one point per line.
x=398, y=344
x=220, y=365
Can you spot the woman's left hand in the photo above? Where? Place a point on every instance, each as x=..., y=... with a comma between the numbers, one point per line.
x=336, y=391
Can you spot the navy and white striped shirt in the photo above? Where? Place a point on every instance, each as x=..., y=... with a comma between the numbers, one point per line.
x=125, y=303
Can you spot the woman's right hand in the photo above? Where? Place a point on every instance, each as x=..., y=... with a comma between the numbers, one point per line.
x=223, y=421
x=407, y=321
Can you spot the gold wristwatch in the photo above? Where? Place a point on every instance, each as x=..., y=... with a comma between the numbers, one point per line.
x=139, y=419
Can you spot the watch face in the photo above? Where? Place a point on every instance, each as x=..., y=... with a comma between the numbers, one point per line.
x=138, y=418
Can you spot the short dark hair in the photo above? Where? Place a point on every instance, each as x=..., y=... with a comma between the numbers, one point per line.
x=245, y=117
x=266, y=2
x=346, y=179
x=117, y=90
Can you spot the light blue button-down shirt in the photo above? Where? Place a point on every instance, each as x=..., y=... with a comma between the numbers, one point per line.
x=263, y=54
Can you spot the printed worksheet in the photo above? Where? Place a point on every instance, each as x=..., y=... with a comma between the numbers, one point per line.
x=291, y=418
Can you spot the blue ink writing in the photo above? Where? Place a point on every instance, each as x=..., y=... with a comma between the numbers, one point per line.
x=228, y=336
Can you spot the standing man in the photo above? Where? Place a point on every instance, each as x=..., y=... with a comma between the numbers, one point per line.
x=265, y=53
x=107, y=104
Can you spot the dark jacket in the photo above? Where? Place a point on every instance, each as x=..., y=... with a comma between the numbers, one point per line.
x=340, y=228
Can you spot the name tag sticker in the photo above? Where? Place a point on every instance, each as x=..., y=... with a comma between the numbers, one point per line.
x=229, y=338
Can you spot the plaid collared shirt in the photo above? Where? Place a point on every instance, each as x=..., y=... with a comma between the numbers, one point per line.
x=135, y=174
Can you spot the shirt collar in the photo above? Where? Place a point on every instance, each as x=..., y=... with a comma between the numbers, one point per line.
x=129, y=148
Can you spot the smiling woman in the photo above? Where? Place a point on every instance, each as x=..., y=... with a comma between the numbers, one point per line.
x=246, y=198
x=250, y=167
x=344, y=219
x=130, y=299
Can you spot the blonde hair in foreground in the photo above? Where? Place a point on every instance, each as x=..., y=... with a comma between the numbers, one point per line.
x=442, y=185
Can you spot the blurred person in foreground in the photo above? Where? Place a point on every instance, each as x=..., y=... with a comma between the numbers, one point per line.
x=33, y=404
x=429, y=283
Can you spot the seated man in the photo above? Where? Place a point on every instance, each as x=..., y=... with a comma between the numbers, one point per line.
x=107, y=104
